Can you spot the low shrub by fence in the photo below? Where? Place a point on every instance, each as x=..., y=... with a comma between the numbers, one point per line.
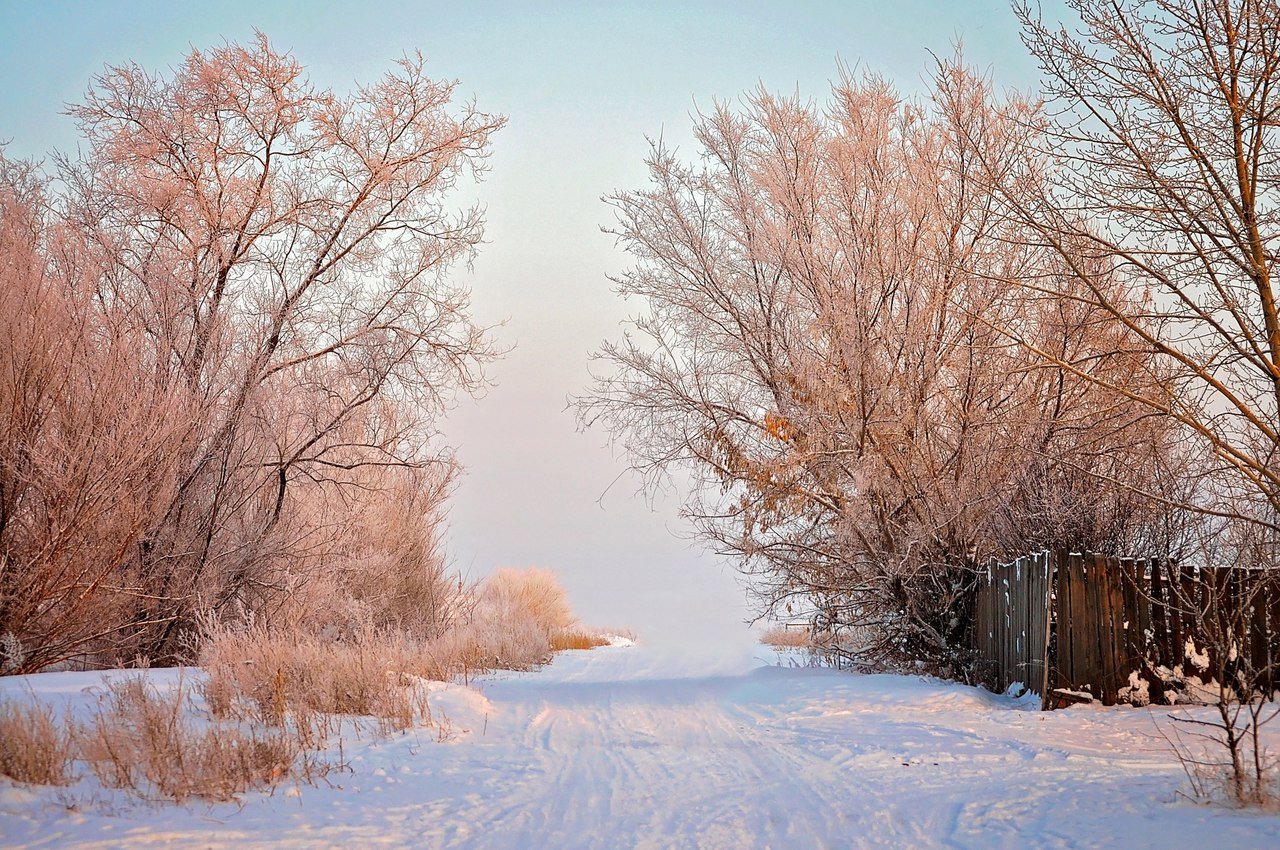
x=1121, y=627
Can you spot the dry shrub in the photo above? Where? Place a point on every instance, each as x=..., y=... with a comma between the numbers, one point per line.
x=145, y=742
x=379, y=565
x=492, y=639
x=270, y=676
x=512, y=624
x=35, y=746
x=513, y=621
x=531, y=594
x=294, y=681
x=1243, y=778
x=1214, y=781
x=576, y=638
x=403, y=576
x=781, y=637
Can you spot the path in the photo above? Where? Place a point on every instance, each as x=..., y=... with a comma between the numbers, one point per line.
x=628, y=747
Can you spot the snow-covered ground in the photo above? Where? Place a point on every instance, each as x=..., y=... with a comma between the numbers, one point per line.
x=640, y=747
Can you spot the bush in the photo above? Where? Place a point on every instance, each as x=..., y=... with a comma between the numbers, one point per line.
x=781, y=637
x=271, y=677
x=36, y=747
x=273, y=694
x=531, y=594
x=513, y=621
x=577, y=638
x=145, y=742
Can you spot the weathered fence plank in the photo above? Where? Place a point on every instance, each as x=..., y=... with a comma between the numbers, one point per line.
x=1159, y=615
x=1011, y=624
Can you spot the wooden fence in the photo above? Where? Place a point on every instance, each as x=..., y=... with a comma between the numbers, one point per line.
x=1011, y=624
x=1067, y=621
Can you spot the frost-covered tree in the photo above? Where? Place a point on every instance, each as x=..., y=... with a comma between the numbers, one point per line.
x=268, y=265
x=826, y=352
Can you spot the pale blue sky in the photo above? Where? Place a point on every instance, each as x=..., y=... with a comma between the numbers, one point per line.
x=582, y=85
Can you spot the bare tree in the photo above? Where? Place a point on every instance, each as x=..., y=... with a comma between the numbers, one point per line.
x=1162, y=120
x=275, y=259
x=820, y=351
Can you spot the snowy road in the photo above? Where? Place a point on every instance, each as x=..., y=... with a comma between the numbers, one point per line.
x=631, y=747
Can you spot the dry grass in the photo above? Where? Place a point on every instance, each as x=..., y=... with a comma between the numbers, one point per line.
x=271, y=677
x=153, y=745
x=784, y=638
x=147, y=743
x=35, y=746
x=515, y=621
x=577, y=639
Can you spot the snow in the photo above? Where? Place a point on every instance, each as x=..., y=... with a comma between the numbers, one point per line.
x=650, y=747
x=1200, y=660
x=1137, y=692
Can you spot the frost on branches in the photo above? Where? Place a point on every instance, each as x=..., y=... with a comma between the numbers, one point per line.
x=825, y=346
x=226, y=329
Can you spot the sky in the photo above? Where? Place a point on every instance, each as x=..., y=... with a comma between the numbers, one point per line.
x=583, y=85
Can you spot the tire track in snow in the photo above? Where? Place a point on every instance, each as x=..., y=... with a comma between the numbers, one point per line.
x=610, y=749
x=666, y=764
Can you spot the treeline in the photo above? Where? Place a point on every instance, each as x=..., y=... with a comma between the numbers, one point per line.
x=890, y=338
x=226, y=333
